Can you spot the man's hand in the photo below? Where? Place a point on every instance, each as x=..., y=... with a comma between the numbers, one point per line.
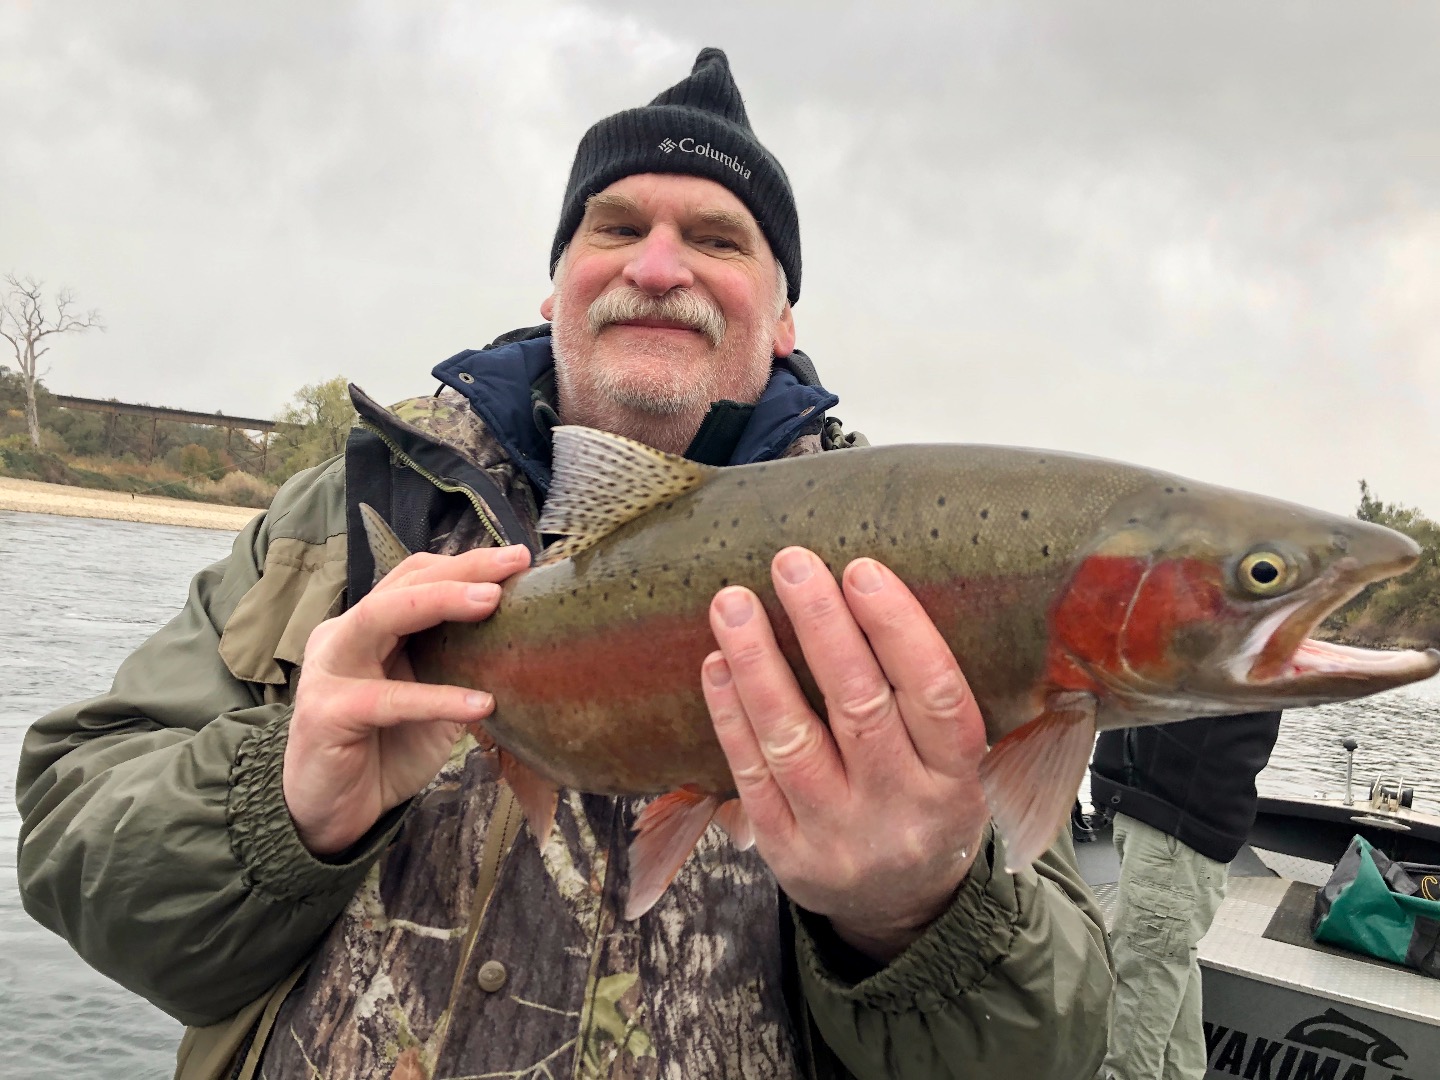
x=872, y=820
x=365, y=736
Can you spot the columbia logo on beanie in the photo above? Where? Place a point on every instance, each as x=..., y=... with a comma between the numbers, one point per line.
x=718, y=144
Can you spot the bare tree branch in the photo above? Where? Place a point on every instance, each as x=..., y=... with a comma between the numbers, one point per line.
x=24, y=323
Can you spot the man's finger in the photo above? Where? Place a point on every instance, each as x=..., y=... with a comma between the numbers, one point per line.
x=373, y=626
x=478, y=564
x=796, y=745
x=383, y=703
x=940, y=713
x=765, y=804
x=862, y=711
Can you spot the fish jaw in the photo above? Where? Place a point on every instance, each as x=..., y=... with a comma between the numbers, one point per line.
x=1280, y=659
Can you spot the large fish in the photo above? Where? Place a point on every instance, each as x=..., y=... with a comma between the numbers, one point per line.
x=1077, y=595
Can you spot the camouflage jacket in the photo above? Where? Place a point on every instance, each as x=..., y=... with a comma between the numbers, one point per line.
x=402, y=974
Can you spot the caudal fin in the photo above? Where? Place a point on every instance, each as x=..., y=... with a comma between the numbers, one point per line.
x=1031, y=776
x=665, y=834
x=536, y=795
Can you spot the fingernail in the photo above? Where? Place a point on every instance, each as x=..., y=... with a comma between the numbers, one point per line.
x=735, y=606
x=866, y=576
x=478, y=699
x=794, y=565
x=483, y=592
x=718, y=672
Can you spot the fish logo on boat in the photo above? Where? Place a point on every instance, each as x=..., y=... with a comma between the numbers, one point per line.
x=1333, y=1030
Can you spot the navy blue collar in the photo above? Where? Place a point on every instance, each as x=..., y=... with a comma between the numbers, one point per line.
x=497, y=382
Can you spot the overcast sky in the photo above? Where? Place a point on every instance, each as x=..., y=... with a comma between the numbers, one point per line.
x=1204, y=237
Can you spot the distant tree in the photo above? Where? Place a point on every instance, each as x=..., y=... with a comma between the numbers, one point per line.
x=25, y=323
x=323, y=416
x=1407, y=606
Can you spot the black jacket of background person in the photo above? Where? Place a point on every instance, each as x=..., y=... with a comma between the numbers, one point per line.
x=1193, y=780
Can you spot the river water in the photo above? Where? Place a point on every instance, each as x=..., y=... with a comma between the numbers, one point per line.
x=76, y=596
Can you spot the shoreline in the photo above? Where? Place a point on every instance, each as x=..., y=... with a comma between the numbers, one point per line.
x=35, y=497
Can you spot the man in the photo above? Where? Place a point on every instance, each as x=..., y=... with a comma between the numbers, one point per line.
x=1184, y=800
x=270, y=830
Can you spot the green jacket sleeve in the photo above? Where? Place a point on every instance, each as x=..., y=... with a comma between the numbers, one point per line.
x=154, y=834
x=1013, y=980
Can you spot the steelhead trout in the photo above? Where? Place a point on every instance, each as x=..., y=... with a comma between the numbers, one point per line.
x=1077, y=595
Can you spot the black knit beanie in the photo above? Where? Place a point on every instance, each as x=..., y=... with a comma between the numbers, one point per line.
x=698, y=127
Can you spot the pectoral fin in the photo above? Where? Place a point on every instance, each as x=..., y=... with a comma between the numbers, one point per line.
x=665, y=833
x=1030, y=777
x=536, y=795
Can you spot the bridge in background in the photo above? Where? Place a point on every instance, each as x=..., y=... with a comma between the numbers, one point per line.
x=156, y=413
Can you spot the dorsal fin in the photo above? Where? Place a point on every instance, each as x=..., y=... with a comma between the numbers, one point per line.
x=601, y=481
x=386, y=549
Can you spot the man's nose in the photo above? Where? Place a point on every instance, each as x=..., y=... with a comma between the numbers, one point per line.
x=659, y=263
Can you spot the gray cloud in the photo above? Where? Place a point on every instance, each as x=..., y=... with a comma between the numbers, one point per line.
x=1202, y=237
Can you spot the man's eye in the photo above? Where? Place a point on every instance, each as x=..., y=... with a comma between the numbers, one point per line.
x=720, y=243
x=623, y=231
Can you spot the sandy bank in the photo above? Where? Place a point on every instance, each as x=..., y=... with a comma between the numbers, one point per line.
x=38, y=498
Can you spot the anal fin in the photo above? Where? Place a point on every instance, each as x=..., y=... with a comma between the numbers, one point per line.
x=1031, y=776
x=536, y=795
x=665, y=834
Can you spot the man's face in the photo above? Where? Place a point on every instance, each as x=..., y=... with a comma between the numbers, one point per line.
x=666, y=300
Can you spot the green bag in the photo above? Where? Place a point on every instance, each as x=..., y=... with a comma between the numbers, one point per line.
x=1381, y=908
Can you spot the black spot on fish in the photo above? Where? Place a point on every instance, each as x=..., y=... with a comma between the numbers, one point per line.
x=810, y=483
x=715, y=524
x=722, y=543
x=1045, y=550
x=984, y=514
x=665, y=568
x=1169, y=491
x=1024, y=515
x=650, y=591
x=685, y=581
x=734, y=523
x=689, y=513
x=810, y=513
x=842, y=541
x=940, y=501
x=739, y=483
x=574, y=592
x=864, y=526
x=1184, y=490
x=667, y=506
x=749, y=556
x=934, y=534
x=724, y=581
x=605, y=596
x=1133, y=521
x=975, y=539
x=784, y=518
x=893, y=541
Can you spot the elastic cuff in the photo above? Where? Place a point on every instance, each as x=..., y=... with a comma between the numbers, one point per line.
x=956, y=952
x=275, y=862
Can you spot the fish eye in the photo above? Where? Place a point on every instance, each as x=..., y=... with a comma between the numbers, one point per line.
x=1264, y=573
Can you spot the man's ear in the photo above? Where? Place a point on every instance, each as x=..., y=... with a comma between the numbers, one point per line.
x=547, y=307
x=784, y=333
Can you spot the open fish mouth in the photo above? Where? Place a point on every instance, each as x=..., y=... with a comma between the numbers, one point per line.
x=1279, y=654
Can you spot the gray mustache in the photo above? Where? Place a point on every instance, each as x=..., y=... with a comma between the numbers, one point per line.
x=678, y=306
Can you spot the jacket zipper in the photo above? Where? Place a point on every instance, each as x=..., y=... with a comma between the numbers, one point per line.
x=481, y=510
